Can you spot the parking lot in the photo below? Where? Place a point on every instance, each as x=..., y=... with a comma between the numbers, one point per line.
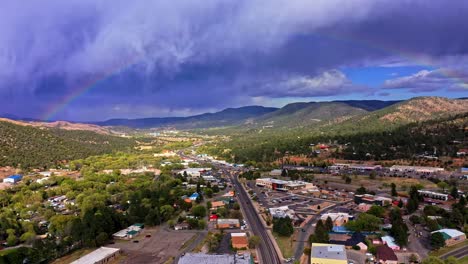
x=303, y=205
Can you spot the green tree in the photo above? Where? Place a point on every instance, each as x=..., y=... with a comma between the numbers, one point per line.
x=443, y=185
x=199, y=211
x=254, y=241
x=377, y=211
x=394, y=192
x=454, y=192
x=320, y=234
x=437, y=240
x=433, y=260
x=283, y=226
x=329, y=224
x=364, y=222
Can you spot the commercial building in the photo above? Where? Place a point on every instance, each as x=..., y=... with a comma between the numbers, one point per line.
x=280, y=185
x=400, y=168
x=434, y=195
x=239, y=240
x=338, y=219
x=202, y=258
x=13, y=178
x=182, y=226
x=452, y=236
x=227, y=223
x=328, y=254
x=99, y=256
x=282, y=212
x=386, y=255
x=359, y=167
x=194, y=172
x=129, y=232
x=372, y=199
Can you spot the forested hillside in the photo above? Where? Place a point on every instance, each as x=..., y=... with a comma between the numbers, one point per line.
x=402, y=130
x=27, y=147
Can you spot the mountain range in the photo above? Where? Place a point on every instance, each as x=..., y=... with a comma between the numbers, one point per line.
x=292, y=115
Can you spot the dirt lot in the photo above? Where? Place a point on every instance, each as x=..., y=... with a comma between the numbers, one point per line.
x=158, y=248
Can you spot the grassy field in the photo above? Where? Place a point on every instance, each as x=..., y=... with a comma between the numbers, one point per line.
x=285, y=244
x=444, y=250
x=73, y=256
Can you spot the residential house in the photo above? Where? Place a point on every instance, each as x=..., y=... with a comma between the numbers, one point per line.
x=239, y=240
x=217, y=204
x=390, y=242
x=385, y=255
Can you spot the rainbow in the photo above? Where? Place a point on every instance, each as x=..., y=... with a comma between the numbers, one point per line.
x=87, y=85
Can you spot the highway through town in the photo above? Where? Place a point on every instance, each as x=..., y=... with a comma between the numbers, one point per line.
x=266, y=248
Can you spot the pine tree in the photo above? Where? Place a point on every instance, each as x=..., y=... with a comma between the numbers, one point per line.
x=329, y=224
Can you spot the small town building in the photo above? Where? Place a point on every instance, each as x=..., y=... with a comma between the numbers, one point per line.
x=194, y=196
x=390, y=242
x=129, y=232
x=13, y=178
x=328, y=254
x=99, y=256
x=338, y=219
x=239, y=241
x=386, y=255
x=400, y=168
x=364, y=207
x=227, y=223
x=182, y=226
x=362, y=246
x=202, y=258
x=282, y=212
x=280, y=185
x=217, y=204
x=372, y=199
x=434, y=195
x=452, y=236
x=214, y=217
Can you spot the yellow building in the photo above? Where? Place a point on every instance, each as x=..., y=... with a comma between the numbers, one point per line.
x=328, y=254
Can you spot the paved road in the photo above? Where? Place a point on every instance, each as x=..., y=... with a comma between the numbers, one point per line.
x=200, y=236
x=266, y=248
x=303, y=237
x=458, y=253
x=416, y=243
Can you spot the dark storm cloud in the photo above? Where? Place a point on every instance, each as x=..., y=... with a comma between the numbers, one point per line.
x=189, y=56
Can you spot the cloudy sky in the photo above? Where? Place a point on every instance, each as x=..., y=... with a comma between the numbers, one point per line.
x=98, y=59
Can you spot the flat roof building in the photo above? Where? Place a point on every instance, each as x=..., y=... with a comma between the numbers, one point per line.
x=227, y=223
x=328, y=254
x=98, y=256
x=402, y=168
x=451, y=236
x=202, y=258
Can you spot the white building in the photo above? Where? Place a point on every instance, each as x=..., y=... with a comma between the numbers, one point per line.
x=99, y=256
x=401, y=168
x=282, y=212
x=194, y=172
